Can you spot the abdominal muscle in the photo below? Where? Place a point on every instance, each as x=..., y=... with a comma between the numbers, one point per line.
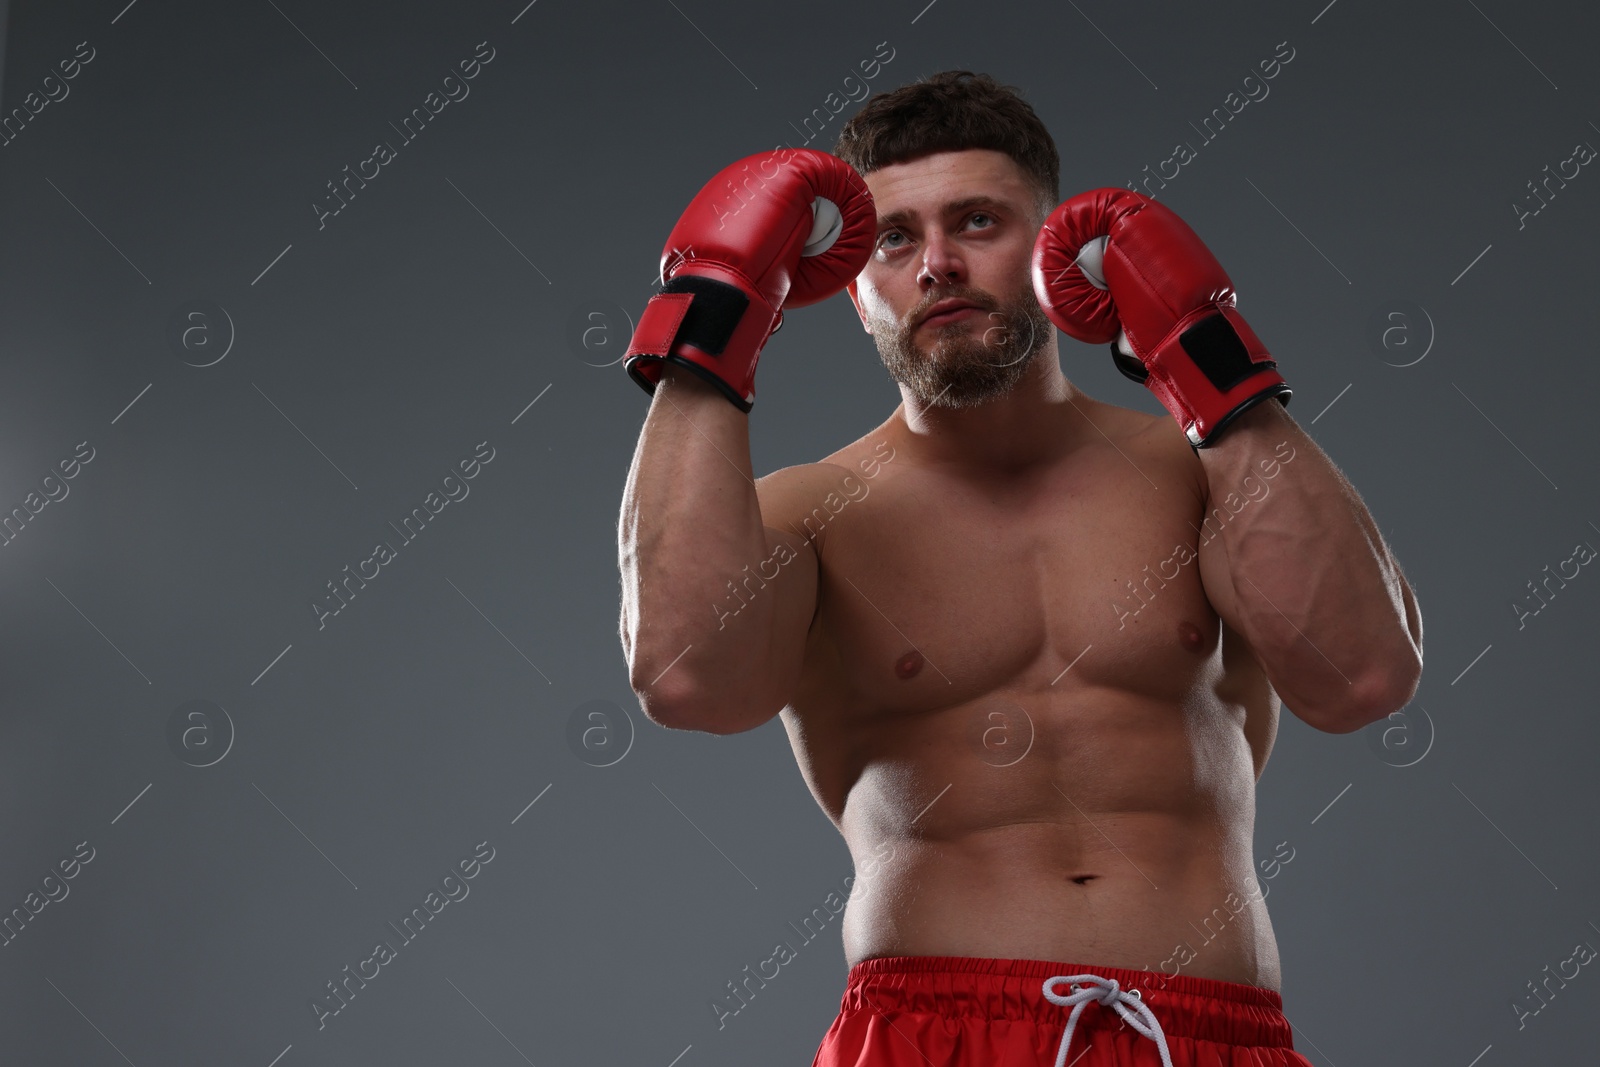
x=1121, y=838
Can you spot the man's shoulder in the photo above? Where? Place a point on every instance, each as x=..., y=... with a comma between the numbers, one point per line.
x=1151, y=438
x=862, y=458
x=789, y=494
x=1120, y=423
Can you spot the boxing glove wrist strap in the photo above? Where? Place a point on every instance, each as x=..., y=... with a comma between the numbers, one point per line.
x=1208, y=370
x=711, y=327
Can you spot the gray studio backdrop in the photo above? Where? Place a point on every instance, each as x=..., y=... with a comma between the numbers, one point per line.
x=222, y=385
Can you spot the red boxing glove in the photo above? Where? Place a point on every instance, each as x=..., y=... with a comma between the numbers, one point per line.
x=795, y=230
x=1113, y=258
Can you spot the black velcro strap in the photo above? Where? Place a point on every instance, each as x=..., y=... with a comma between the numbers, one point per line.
x=1216, y=349
x=715, y=312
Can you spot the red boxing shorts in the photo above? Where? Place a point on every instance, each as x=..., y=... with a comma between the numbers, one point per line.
x=964, y=1011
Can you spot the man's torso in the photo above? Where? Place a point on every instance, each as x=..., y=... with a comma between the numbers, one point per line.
x=1019, y=767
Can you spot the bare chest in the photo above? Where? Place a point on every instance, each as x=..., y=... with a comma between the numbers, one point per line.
x=934, y=592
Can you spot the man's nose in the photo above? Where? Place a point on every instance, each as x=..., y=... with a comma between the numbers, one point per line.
x=940, y=264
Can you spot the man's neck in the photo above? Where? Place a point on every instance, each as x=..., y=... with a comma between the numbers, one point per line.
x=1033, y=425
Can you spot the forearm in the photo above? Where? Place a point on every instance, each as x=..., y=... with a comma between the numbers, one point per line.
x=1316, y=591
x=690, y=521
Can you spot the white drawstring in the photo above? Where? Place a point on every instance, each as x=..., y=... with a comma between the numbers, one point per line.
x=1106, y=991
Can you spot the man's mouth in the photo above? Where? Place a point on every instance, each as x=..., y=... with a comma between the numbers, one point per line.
x=952, y=315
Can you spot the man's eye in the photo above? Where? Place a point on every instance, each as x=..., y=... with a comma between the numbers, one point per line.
x=889, y=234
x=980, y=215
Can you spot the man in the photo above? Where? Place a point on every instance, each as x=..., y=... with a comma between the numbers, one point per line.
x=1028, y=646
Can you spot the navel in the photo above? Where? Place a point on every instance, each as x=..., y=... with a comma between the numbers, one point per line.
x=1190, y=636
x=908, y=666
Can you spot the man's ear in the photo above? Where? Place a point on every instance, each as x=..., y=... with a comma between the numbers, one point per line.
x=850, y=287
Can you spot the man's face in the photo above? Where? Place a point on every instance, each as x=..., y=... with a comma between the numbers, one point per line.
x=953, y=226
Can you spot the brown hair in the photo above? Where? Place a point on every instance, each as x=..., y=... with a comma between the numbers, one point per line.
x=951, y=111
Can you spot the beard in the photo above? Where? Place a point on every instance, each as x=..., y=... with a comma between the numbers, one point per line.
x=970, y=360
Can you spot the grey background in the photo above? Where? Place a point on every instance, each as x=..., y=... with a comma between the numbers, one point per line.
x=1435, y=872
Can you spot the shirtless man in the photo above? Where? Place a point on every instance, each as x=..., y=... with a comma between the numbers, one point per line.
x=1028, y=646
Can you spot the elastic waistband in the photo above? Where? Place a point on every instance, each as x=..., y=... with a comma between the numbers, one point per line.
x=1206, y=1009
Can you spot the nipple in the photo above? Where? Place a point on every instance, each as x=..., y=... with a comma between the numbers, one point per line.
x=908, y=665
x=1191, y=637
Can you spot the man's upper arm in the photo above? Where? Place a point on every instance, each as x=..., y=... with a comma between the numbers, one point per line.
x=1216, y=573
x=790, y=573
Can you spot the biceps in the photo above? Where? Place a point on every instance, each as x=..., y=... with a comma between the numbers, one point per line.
x=794, y=591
